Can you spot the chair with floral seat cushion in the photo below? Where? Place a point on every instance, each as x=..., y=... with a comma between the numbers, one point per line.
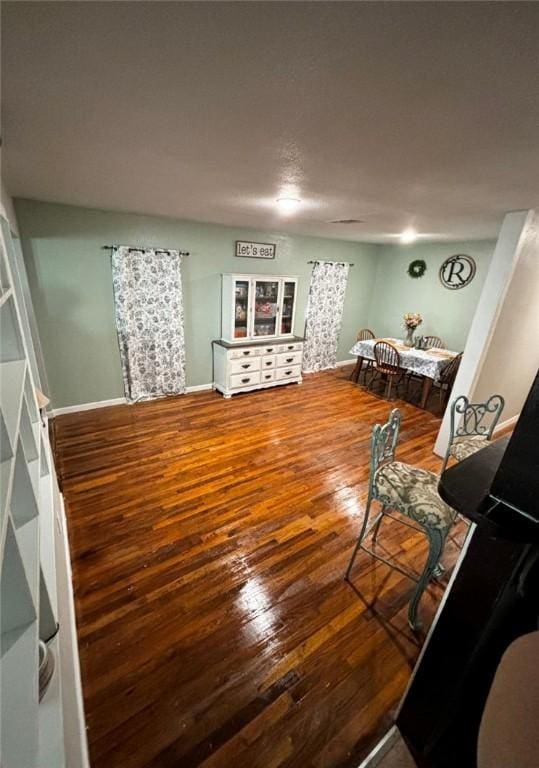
x=412, y=492
x=471, y=426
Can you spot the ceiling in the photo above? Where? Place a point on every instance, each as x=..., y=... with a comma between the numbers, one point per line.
x=399, y=114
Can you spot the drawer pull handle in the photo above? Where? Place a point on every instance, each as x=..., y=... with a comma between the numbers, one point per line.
x=289, y=359
x=267, y=376
x=247, y=352
x=245, y=381
x=270, y=349
x=268, y=362
x=246, y=365
x=287, y=373
x=291, y=347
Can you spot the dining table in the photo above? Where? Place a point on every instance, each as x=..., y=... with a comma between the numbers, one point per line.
x=427, y=363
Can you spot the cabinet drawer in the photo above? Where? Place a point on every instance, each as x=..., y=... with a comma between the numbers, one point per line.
x=291, y=372
x=245, y=366
x=289, y=358
x=268, y=361
x=266, y=376
x=245, y=379
x=269, y=350
x=292, y=347
x=249, y=352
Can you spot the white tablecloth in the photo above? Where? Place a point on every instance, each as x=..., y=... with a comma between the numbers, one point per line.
x=423, y=362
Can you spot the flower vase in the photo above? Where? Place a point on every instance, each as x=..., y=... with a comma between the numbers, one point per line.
x=409, y=340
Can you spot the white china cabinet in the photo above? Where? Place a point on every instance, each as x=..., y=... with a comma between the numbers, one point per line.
x=258, y=307
x=257, y=348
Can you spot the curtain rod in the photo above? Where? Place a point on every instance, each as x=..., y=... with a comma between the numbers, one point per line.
x=145, y=248
x=341, y=263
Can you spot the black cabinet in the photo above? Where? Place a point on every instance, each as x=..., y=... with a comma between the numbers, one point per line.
x=494, y=598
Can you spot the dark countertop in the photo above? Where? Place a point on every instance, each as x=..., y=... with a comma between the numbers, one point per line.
x=268, y=341
x=467, y=485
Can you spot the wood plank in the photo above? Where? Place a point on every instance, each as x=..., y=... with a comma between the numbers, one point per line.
x=209, y=539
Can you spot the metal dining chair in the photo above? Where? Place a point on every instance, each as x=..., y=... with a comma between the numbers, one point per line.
x=364, y=334
x=471, y=426
x=433, y=342
x=387, y=365
x=412, y=492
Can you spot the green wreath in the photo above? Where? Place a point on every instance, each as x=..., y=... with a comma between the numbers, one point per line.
x=417, y=268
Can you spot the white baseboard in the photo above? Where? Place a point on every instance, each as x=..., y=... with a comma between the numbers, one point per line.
x=376, y=756
x=76, y=746
x=507, y=423
x=117, y=401
x=198, y=388
x=88, y=406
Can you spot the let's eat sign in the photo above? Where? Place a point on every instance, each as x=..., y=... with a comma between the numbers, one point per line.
x=255, y=250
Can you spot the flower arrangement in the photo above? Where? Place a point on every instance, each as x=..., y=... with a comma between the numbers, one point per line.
x=412, y=320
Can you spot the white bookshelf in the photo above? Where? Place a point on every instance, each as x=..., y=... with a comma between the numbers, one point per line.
x=31, y=733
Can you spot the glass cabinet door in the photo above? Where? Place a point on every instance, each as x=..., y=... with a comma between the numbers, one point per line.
x=287, y=316
x=241, y=308
x=266, y=307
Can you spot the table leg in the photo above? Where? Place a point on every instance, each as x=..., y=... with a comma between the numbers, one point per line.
x=357, y=370
x=425, y=391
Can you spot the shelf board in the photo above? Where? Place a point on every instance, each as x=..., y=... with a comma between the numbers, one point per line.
x=23, y=501
x=47, y=531
x=11, y=346
x=31, y=400
x=33, y=471
x=28, y=540
x=43, y=460
x=6, y=468
x=11, y=389
x=28, y=434
x=5, y=296
x=17, y=606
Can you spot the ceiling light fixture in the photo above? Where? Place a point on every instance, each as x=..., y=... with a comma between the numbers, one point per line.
x=408, y=236
x=288, y=205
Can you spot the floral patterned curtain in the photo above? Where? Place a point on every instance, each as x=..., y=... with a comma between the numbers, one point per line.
x=149, y=320
x=324, y=315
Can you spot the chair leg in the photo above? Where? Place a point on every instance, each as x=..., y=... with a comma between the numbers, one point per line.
x=357, y=370
x=360, y=537
x=376, y=526
x=389, y=384
x=436, y=546
x=446, y=459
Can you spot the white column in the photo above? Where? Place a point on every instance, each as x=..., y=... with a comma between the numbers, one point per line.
x=505, y=258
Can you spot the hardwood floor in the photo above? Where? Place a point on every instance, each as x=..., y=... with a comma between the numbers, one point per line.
x=209, y=540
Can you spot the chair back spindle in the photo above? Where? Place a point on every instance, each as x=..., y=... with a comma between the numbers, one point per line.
x=433, y=342
x=449, y=373
x=387, y=357
x=365, y=334
x=384, y=442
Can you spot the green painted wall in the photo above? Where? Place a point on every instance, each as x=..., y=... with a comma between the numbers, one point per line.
x=446, y=313
x=70, y=280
